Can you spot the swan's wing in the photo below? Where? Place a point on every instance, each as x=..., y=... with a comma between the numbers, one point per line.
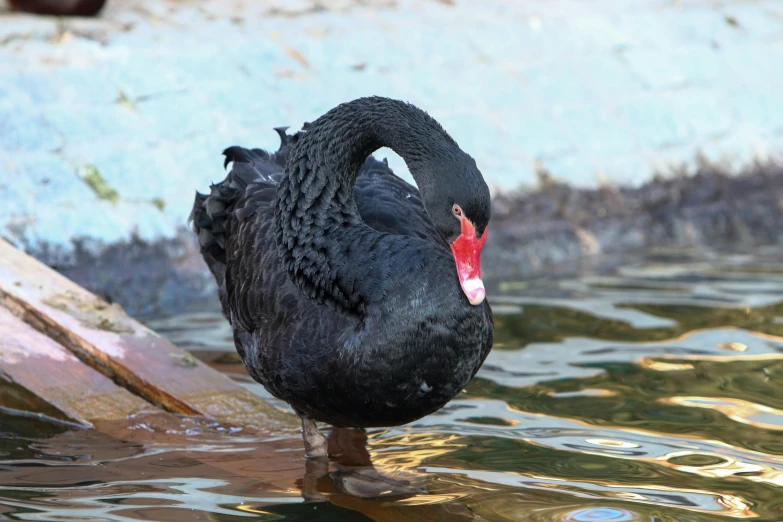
x=389, y=204
x=386, y=202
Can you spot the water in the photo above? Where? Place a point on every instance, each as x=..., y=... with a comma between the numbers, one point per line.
x=648, y=391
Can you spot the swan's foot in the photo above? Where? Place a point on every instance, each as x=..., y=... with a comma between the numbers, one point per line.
x=315, y=443
x=368, y=482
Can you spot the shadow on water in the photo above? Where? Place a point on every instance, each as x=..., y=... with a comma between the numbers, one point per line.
x=650, y=391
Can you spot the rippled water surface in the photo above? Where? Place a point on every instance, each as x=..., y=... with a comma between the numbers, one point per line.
x=649, y=391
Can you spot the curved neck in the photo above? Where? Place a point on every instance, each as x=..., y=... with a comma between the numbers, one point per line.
x=320, y=237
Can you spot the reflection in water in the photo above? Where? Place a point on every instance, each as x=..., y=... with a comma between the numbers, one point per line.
x=650, y=392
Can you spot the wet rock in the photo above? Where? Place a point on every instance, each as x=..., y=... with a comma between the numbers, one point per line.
x=143, y=277
x=558, y=224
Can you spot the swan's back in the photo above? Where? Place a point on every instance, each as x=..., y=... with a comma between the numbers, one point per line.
x=385, y=202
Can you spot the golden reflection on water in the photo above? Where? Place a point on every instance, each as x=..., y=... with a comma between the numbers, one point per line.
x=585, y=392
x=772, y=357
x=433, y=498
x=662, y=366
x=413, y=449
x=250, y=509
x=737, y=347
x=723, y=467
x=735, y=409
x=770, y=337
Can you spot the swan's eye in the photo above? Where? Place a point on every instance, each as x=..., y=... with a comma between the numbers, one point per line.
x=457, y=211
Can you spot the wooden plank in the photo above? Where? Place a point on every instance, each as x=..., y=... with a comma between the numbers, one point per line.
x=34, y=361
x=106, y=338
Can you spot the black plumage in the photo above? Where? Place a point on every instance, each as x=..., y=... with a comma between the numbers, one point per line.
x=336, y=275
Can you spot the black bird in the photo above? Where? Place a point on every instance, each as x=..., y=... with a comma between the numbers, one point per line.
x=352, y=295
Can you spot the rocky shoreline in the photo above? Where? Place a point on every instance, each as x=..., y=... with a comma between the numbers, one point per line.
x=554, y=227
x=709, y=209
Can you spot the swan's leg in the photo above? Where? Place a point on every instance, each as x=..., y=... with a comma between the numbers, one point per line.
x=315, y=443
x=314, y=470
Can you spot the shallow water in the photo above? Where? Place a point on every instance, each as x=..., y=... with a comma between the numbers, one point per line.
x=651, y=391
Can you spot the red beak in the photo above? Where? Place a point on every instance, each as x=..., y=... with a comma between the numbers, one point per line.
x=467, y=255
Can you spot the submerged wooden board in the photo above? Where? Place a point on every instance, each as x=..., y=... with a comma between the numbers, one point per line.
x=37, y=363
x=254, y=479
x=104, y=337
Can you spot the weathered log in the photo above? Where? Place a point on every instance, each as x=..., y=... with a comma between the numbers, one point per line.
x=37, y=363
x=104, y=337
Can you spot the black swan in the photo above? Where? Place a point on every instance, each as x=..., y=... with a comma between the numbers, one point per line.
x=353, y=296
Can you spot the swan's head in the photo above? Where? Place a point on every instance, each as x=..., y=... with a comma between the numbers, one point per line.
x=458, y=201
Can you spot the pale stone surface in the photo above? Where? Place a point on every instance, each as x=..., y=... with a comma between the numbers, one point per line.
x=148, y=95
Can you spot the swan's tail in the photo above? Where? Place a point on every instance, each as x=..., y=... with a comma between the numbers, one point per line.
x=211, y=212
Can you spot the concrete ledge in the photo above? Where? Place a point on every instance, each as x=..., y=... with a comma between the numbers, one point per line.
x=110, y=124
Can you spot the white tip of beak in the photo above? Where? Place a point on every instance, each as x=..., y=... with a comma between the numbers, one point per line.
x=474, y=290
